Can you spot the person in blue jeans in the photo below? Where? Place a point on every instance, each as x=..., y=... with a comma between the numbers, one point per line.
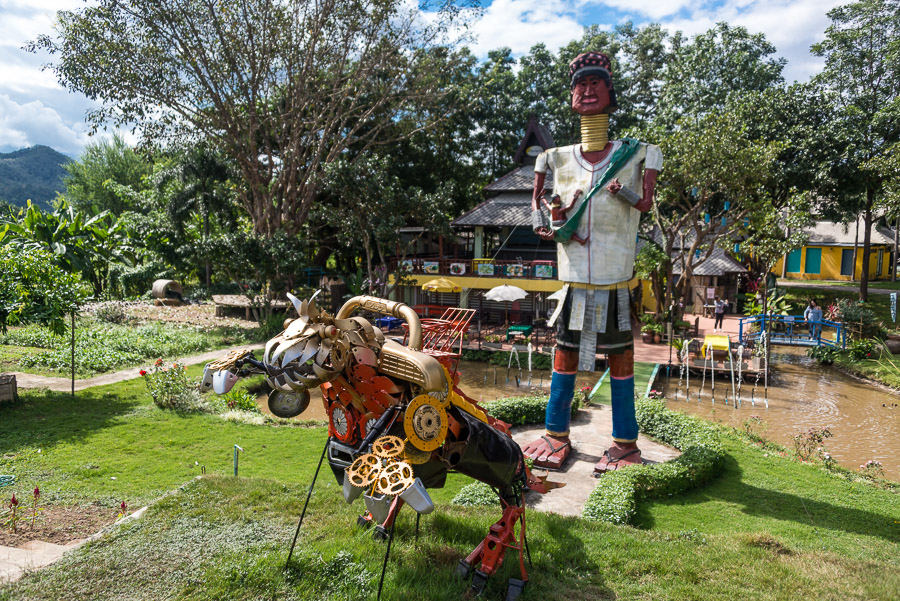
x=813, y=317
x=720, y=306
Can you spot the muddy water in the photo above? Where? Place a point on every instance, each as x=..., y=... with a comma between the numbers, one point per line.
x=804, y=395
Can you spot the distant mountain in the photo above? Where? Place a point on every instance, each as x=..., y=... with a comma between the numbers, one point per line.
x=32, y=173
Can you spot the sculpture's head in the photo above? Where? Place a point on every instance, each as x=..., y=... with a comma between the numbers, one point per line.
x=592, y=89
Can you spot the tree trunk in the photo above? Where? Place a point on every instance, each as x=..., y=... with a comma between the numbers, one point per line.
x=867, y=246
x=896, y=257
x=855, y=251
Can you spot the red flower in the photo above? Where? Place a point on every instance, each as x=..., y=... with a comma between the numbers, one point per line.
x=123, y=506
x=158, y=362
x=14, y=501
x=143, y=372
x=37, y=492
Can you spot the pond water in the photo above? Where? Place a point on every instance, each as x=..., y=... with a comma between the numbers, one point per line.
x=803, y=395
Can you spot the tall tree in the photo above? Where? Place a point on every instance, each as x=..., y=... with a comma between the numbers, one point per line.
x=702, y=73
x=103, y=164
x=282, y=87
x=862, y=69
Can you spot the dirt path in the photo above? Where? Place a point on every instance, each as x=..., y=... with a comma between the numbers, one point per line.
x=65, y=384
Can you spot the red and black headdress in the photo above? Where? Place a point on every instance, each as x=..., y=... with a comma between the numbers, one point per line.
x=597, y=64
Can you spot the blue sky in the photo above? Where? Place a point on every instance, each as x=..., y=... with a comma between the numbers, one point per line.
x=34, y=109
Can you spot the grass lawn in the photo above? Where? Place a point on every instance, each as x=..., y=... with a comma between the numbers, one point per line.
x=642, y=373
x=883, y=284
x=884, y=369
x=768, y=528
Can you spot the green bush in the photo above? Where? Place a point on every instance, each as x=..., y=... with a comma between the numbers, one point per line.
x=615, y=497
x=858, y=318
x=860, y=350
x=524, y=410
x=239, y=399
x=475, y=495
x=501, y=358
x=171, y=389
x=825, y=355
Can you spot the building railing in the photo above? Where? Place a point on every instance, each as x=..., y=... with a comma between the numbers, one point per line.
x=529, y=270
x=793, y=330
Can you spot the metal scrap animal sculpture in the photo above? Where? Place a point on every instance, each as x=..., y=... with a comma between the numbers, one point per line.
x=398, y=421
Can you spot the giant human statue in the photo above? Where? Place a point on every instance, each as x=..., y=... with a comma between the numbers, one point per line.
x=604, y=186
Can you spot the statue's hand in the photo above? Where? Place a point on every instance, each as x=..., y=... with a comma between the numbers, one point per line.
x=614, y=186
x=545, y=233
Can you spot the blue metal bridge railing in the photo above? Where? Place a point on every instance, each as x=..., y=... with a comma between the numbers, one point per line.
x=793, y=330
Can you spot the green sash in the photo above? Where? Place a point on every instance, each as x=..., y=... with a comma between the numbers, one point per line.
x=618, y=160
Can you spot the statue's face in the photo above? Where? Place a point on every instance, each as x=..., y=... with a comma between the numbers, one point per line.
x=590, y=96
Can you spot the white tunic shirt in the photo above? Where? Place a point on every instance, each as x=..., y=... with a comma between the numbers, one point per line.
x=610, y=222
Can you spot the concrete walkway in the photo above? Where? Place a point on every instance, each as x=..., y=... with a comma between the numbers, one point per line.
x=24, y=380
x=15, y=561
x=591, y=435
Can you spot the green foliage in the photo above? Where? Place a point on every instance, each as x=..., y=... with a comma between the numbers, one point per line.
x=34, y=174
x=824, y=355
x=519, y=411
x=859, y=319
x=102, y=347
x=170, y=387
x=34, y=289
x=615, y=497
x=862, y=349
x=239, y=399
x=80, y=242
x=476, y=494
x=92, y=180
x=501, y=358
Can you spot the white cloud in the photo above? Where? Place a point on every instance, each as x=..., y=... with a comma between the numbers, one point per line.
x=520, y=24
x=792, y=26
x=33, y=123
x=655, y=9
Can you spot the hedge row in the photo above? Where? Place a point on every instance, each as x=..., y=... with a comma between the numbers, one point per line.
x=524, y=410
x=501, y=358
x=617, y=492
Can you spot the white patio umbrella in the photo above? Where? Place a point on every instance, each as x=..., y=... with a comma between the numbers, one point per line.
x=505, y=293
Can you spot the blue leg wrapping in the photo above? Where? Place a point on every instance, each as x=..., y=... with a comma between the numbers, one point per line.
x=559, y=407
x=625, y=428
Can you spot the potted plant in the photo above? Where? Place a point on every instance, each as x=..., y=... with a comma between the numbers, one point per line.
x=657, y=332
x=679, y=344
x=647, y=333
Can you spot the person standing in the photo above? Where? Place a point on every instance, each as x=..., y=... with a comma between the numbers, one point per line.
x=721, y=305
x=813, y=317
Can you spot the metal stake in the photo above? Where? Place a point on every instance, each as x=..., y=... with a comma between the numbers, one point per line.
x=306, y=504
x=386, y=555
x=237, y=450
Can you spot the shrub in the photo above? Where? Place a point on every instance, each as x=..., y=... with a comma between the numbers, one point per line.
x=115, y=312
x=615, y=497
x=240, y=399
x=825, y=355
x=475, y=495
x=523, y=410
x=501, y=358
x=861, y=350
x=170, y=388
x=858, y=318
x=809, y=443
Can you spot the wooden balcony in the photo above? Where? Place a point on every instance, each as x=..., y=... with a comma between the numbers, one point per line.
x=514, y=269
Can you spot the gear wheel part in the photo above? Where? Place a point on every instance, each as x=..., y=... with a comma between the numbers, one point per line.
x=364, y=471
x=388, y=447
x=414, y=456
x=425, y=423
x=395, y=478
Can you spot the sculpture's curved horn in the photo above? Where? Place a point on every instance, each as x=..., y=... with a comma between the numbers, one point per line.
x=294, y=301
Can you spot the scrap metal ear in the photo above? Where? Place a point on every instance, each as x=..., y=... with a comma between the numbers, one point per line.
x=296, y=302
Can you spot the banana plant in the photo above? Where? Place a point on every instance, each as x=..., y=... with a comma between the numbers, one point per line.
x=81, y=243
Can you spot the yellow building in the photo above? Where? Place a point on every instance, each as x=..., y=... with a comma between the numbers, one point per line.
x=834, y=251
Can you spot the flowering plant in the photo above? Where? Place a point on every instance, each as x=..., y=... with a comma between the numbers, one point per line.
x=872, y=469
x=655, y=394
x=169, y=386
x=10, y=516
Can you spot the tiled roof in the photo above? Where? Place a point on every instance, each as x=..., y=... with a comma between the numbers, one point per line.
x=827, y=233
x=518, y=180
x=719, y=263
x=507, y=209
